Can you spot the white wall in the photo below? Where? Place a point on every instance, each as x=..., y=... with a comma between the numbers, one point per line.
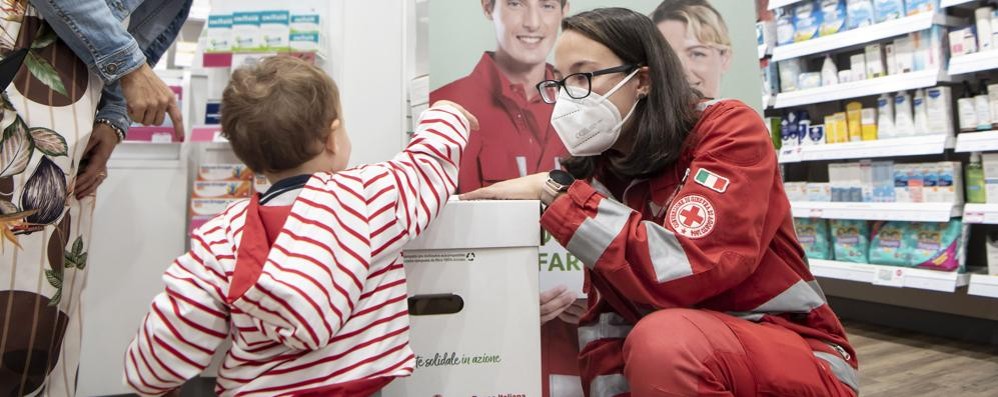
x=367, y=62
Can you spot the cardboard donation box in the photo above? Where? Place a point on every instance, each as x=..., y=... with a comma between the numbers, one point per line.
x=475, y=321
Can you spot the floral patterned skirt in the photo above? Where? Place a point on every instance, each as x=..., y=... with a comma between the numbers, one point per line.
x=47, y=117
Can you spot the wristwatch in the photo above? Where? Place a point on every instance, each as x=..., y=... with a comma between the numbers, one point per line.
x=558, y=182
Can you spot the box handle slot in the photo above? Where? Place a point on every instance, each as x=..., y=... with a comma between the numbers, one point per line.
x=435, y=304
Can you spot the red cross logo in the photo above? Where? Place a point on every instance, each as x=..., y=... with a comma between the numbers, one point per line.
x=691, y=216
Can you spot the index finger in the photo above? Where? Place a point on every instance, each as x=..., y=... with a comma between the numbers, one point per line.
x=178, y=121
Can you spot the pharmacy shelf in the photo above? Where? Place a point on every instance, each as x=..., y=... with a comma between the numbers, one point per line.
x=909, y=146
x=768, y=101
x=981, y=213
x=985, y=141
x=983, y=285
x=954, y=3
x=977, y=62
x=774, y=4
x=862, y=88
x=764, y=50
x=911, y=212
x=862, y=36
x=891, y=276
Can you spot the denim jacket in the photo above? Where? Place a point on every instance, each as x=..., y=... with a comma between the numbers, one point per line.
x=94, y=30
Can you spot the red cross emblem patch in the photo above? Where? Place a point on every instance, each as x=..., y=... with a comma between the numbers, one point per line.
x=692, y=216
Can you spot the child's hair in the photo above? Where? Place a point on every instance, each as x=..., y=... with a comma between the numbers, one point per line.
x=277, y=114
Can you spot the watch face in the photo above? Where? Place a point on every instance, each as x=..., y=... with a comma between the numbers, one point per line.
x=561, y=177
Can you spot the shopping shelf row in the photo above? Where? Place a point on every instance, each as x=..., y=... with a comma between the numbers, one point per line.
x=896, y=211
x=906, y=277
x=984, y=141
x=774, y=4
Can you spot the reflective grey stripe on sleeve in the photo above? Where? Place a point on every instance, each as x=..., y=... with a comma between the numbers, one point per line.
x=609, y=326
x=667, y=255
x=799, y=298
x=841, y=369
x=608, y=386
x=817, y=289
x=595, y=234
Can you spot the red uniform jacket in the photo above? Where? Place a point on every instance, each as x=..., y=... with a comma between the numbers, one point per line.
x=516, y=137
x=714, y=231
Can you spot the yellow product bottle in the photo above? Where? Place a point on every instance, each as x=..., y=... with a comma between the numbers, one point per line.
x=830, y=133
x=854, y=117
x=869, y=124
x=842, y=126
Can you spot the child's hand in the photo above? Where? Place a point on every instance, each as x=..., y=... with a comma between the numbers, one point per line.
x=472, y=120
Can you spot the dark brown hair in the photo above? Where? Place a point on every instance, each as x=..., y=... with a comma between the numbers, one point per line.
x=277, y=114
x=662, y=121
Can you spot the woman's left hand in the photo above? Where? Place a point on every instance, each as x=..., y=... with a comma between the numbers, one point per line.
x=529, y=187
x=99, y=148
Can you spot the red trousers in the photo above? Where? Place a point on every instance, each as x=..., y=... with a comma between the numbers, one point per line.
x=685, y=352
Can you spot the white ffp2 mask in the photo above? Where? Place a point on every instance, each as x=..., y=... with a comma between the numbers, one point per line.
x=591, y=125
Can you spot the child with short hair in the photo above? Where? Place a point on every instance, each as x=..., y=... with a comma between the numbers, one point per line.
x=306, y=278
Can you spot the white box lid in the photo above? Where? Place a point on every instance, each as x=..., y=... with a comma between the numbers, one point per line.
x=483, y=224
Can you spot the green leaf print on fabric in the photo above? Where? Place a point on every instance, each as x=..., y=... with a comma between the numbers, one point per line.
x=49, y=142
x=15, y=149
x=44, y=72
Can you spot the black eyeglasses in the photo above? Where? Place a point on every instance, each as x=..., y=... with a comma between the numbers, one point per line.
x=549, y=88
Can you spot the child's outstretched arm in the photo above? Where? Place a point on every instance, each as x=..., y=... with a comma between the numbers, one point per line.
x=185, y=323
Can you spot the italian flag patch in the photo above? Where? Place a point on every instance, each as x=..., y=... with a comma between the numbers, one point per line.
x=711, y=180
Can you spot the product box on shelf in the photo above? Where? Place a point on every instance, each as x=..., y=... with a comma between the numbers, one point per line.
x=883, y=181
x=919, y=6
x=989, y=161
x=765, y=33
x=246, y=34
x=796, y=191
x=984, y=33
x=859, y=13
x=460, y=327
x=904, y=52
x=857, y=63
x=885, y=10
x=949, y=187
x=819, y=191
x=916, y=182
x=902, y=174
x=866, y=180
x=807, y=20
x=939, y=106
x=833, y=17
x=210, y=206
x=930, y=47
x=222, y=189
x=275, y=30
x=224, y=172
x=218, y=35
x=874, y=58
x=784, y=26
x=305, y=23
x=962, y=42
x=813, y=236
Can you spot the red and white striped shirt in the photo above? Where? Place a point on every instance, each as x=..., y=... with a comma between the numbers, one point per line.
x=324, y=304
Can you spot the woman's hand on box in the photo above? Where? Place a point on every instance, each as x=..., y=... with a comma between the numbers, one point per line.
x=530, y=187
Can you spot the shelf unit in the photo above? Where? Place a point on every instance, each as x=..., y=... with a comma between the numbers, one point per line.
x=890, y=276
x=910, y=212
x=954, y=3
x=863, y=88
x=774, y=4
x=909, y=146
x=983, y=285
x=984, y=141
x=862, y=36
x=976, y=62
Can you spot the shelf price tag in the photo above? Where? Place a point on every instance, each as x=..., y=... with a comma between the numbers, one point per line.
x=973, y=217
x=161, y=138
x=889, y=277
x=816, y=213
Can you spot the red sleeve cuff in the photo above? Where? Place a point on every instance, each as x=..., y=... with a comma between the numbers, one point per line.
x=567, y=212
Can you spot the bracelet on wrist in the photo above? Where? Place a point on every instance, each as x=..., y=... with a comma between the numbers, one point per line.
x=117, y=131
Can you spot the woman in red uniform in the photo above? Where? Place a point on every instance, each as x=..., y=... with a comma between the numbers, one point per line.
x=697, y=285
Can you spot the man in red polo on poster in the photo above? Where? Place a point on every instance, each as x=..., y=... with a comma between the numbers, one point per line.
x=516, y=139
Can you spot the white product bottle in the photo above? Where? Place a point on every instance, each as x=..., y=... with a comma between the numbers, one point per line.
x=921, y=113
x=982, y=107
x=885, y=121
x=829, y=72
x=967, y=109
x=904, y=123
x=984, y=33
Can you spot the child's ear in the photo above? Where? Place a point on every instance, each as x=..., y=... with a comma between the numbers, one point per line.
x=333, y=144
